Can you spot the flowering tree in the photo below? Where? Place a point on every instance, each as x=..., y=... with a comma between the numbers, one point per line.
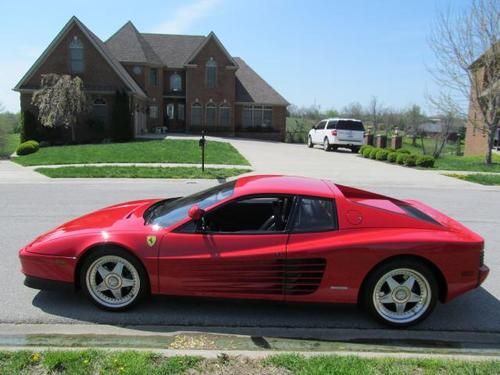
x=60, y=101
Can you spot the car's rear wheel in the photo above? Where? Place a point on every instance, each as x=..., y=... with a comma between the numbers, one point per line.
x=326, y=144
x=113, y=279
x=401, y=293
x=309, y=142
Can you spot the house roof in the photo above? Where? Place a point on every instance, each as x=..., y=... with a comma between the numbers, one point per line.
x=128, y=45
x=100, y=47
x=251, y=88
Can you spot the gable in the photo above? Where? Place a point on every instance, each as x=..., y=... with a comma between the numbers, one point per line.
x=211, y=47
x=101, y=71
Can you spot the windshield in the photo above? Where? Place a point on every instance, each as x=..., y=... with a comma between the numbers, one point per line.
x=168, y=212
x=350, y=125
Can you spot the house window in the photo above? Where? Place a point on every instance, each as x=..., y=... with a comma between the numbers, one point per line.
x=153, y=111
x=153, y=77
x=211, y=115
x=196, y=114
x=257, y=116
x=224, y=115
x=211, y=73
x=76, y=55
x=100, y=111
x=170, y=111
x=175, y=82
x=180, y=112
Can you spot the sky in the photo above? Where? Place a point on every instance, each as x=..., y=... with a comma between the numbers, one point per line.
x=327, y=53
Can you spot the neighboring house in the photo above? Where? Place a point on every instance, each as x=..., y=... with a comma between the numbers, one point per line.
x=183, y=82
x=435, y=127
x=476, y=135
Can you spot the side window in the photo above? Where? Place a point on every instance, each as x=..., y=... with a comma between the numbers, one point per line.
x=249, y=215
x=331, y=125
x=320, y=125
x=315, y=215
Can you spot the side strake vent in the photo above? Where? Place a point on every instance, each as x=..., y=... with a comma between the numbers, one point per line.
x=280, y=276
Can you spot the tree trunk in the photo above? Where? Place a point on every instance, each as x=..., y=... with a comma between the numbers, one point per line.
x=73, y=133
x=414, y=140
x=491, y=140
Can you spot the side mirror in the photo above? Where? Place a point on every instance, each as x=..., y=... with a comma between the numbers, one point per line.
x=196, y=213
x=313, y=127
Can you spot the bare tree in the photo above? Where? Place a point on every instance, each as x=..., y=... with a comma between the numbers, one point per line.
x=353, y=110
x=60, y=101
x=467, y=50
x=414, y=118
x=374, y=113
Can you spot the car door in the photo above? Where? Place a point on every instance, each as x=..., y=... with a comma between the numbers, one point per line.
x=313, y=231
x=239, y=258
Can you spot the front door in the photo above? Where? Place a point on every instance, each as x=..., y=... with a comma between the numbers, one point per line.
x=174, y=115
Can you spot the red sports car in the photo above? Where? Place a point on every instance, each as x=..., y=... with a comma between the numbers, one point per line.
x=265, y=237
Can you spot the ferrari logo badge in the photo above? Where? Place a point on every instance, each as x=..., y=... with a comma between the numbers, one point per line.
x=151, y=240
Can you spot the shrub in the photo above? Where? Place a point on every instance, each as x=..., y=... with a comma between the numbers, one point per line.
x=28, y=147
x=401, y=158
x=366, y=152
x=373, y=152
x=425, y=161
x=410, y=160
x=382, y=155
x=363, y=148
x=392, y=157
x=121, y=127
x=403, y=151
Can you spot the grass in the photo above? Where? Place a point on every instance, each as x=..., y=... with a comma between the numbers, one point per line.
x=479, y=178
x=162, y=151
x=138, y=172
x=12, y=141
x=130, y=362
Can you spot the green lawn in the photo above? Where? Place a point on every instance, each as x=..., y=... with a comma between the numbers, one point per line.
x=130, y=362
x=479, y=178
x=164, y=151
x=12, y=141
x=138, y=172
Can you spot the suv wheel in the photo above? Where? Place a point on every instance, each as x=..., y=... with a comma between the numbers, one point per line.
x=309, y=142
x=326, y=145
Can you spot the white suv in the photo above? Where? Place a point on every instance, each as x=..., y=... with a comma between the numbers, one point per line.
x=337, y=132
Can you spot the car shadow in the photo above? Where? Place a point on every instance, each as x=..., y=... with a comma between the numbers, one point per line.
x=474, y=313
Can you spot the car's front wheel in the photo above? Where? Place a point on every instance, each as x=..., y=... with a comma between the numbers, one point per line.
x=401, y=293
x=113, y=279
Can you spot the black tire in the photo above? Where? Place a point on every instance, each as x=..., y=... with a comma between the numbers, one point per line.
x=310, y=142
x=355, y=149
x=136, y=292
x=375, y=278
x=326, y=145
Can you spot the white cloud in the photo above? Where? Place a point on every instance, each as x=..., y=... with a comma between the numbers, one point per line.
x=185, y=16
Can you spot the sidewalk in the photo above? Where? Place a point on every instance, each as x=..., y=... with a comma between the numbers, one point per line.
x=11, y=173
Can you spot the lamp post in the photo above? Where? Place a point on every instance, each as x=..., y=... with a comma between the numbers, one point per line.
x=201, y=143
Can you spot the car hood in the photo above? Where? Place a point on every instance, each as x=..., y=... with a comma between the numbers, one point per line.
x=119, y=216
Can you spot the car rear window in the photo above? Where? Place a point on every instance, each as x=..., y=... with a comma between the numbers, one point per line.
x=350, y=125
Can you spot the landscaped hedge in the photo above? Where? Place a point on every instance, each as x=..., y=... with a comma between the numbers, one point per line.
x=401, y=158
x=411, y=160
x=382, y=154
x=28, y=147
x=373, y=153
x=392, y=157
x=425, y=161
x=366, y=151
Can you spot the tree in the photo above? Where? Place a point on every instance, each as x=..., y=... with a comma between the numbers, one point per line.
x=60, y=101
x=121, y=128
x=353, y=110
x=467, y=50
x=374, y=113
x=414, y=117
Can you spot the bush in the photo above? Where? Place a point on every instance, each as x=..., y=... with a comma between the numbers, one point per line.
x=382, y=155
x=28, y=147
x=403, y=151
x=121, y=127
x=411, y=160
x=366, y=151
x=363, y=148
x=401, y=158
x=425, y=161
x=373, y=152
x=392, y=157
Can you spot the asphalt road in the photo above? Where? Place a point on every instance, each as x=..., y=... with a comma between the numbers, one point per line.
x=30, y=208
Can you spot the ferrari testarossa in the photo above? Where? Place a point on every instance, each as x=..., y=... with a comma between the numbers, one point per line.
x=265, y=237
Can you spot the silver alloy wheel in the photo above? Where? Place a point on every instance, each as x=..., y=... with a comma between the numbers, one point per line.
x=326, y=144
x=402, y=295
x=309, y=141
x=113, y=281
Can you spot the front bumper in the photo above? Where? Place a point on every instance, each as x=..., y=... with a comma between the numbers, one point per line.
x=47, y=267
x=46, y=284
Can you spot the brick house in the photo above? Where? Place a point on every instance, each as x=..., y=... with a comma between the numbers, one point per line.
x=185, y=83
x=476, y=136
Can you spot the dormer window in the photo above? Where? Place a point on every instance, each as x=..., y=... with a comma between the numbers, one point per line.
x=76, y=55
x=175, y=82
x=211, y=73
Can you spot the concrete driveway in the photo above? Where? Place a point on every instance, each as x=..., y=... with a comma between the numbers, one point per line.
x=29, y=207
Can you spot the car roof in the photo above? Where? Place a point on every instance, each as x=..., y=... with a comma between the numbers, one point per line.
x=340, y=119
x=278, y=184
